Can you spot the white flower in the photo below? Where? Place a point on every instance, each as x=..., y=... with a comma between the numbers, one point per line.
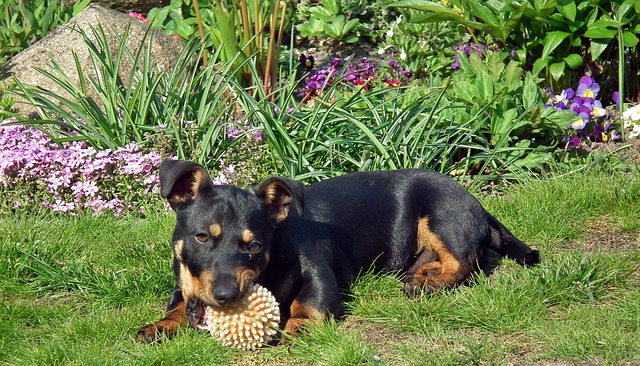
x=403, y=55
x=635, y=132
x=631, y=116
x=399, y=20
x=390, y=32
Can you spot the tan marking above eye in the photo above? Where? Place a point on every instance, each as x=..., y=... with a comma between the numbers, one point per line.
x=215, y=230
x=247, y=236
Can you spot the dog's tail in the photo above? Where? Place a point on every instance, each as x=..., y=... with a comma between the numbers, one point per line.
x=507, y=245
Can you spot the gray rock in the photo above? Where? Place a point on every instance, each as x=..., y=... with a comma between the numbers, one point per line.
x=60, y=45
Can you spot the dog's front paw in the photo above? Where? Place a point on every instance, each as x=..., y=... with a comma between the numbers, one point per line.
x=147, y=334
x=153, y=332
x=293, y=326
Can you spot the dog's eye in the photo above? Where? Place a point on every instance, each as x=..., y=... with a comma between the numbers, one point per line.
x=202, y=238
x=254, y=247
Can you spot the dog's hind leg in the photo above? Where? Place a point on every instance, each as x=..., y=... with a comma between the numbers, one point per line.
x=435, y=266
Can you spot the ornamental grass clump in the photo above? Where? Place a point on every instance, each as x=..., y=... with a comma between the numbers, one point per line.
x=72, y=176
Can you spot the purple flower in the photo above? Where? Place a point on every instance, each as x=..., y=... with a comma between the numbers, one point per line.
x=616, y=98
x=456, y=64
x=574, y=141
x=233, y=132
x=394, y=64
x=258, y=135
x=587, y=87
x=307, y=62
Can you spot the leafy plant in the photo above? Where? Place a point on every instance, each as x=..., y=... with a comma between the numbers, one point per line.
x=548, y=36
x=517, y=129
x=328, y=21
x=24, y=22
x=426, y=48
x=243, y=32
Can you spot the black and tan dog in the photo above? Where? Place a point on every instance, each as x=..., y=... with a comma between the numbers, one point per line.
x=306, y=245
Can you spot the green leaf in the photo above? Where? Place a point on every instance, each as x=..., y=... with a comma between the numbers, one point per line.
x=597, y=47
x=557, y=69
x=422, y=5
x=568, y=9
x=485, y=14
x=624, y=8
x=333, y=6
x=552, y=41
x=158, y=16
x=601, y=33
x=630, y=39
x=530, y=93
x=512, y=75
x=540, y=64
x=350, y=25
x=485, y=87
x=463, y=90
x=351, y=39
x=574, y=60
x=322, y=13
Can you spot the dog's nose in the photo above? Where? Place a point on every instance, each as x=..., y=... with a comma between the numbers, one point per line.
x=226, y=295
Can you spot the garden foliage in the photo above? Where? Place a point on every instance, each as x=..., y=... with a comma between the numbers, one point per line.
x=242, y=31
x=433, y=96
x=25, y=22
x=550, y=36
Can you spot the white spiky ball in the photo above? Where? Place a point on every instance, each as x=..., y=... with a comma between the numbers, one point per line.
x=250, y=323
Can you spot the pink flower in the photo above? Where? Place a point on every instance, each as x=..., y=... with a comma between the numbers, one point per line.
x=139, y=17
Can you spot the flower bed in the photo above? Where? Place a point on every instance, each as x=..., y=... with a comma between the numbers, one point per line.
x=71, y=177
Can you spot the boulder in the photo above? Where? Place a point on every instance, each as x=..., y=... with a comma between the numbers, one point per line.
x=60, y=46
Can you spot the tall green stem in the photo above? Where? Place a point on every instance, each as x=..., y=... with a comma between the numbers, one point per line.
x=621, y=78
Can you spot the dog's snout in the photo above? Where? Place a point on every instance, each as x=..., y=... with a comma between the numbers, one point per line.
x=226, y=290
x=226, y=295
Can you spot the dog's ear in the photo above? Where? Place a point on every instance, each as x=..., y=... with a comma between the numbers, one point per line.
x=182, y=181
x=282, y=197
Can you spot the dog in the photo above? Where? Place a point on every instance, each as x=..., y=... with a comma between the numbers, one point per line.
x=307, y=244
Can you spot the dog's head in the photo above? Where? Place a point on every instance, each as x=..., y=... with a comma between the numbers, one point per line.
x=223, y=234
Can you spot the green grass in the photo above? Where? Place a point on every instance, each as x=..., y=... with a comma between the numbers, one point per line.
x=75, y=290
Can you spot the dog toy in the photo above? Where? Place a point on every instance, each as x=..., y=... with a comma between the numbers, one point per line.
x=249, y=323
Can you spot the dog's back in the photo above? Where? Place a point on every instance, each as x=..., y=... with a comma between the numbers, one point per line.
x=402, y=220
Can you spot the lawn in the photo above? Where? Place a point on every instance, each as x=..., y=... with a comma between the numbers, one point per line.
x=75, y=290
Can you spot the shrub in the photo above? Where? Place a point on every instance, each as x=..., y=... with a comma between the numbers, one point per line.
x=514, y=130
x=549, y=36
